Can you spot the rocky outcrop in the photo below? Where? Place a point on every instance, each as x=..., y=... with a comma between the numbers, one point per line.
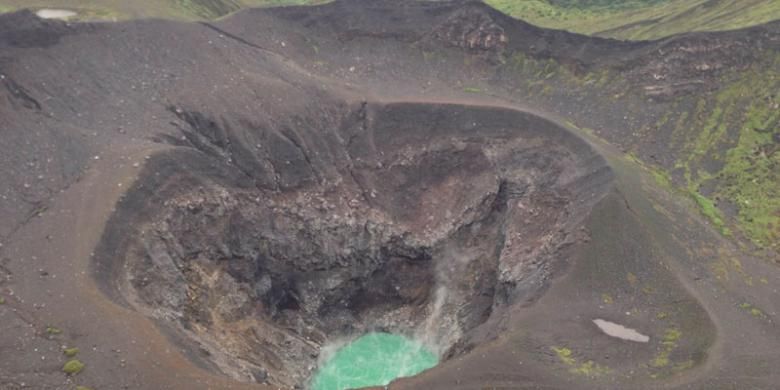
x=474, y=29
x=694, y=63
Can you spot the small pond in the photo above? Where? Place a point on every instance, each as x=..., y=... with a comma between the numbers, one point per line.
x=374, y=359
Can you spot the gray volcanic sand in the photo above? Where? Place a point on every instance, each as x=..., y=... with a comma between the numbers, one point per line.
x=207, y=205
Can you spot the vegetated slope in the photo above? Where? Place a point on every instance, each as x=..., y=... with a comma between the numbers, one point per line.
x=169, y=9
x=623, y=19
x=603, y=3
x=210, y=9
x=98, y=9
x=702, y=109
x=641, y=19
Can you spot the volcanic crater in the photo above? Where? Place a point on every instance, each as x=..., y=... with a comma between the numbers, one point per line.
x=415, y=218
x=225, y=202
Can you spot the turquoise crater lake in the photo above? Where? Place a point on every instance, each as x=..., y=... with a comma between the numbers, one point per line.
x=374, y=359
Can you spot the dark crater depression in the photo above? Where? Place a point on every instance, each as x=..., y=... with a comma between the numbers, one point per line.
x=256, y=244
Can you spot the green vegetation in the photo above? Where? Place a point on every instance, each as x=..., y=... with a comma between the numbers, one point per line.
x=705, y=205
x=208, y=9
x=661, y=178
x=682, y=366
x=640, y=19
x=168, y=9
x=708, y=209
x=564, y=354
x=604, y=4
x=2, y=301
x=472, y=90
x=624, y=19
x=728, y=265
x=588, y=368
x=668, y=345
x=727, y=148
x=282, y=3
x=729, y=145
x=53, y=330
x=211, y=9
x=70, y=352
x=73, y=367
x=754, y=311
x=83, y=388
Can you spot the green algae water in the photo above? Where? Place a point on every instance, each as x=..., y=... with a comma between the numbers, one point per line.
x=374, y=359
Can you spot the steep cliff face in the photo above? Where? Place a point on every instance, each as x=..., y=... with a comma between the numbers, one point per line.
x=399, y=219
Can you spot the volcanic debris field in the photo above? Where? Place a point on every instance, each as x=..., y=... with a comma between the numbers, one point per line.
x=263, y=200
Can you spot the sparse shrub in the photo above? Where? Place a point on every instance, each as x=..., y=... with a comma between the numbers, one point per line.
x=53, y=330
x=73, y=367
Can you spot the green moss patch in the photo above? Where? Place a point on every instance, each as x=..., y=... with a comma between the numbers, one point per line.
x=53, y=330
x=588, y=368
x=668, y=345
x=708, y=209
x=752, y=310
x=73, y=367
x=564, y=354
x=70, y=352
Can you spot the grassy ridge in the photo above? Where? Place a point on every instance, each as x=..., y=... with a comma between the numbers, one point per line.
x=624, y=19
x=168, y=9
x=97, y=9
x=641, y=19
x=604, y=3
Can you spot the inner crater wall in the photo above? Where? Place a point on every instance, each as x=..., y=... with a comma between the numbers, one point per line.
x=257, y=244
